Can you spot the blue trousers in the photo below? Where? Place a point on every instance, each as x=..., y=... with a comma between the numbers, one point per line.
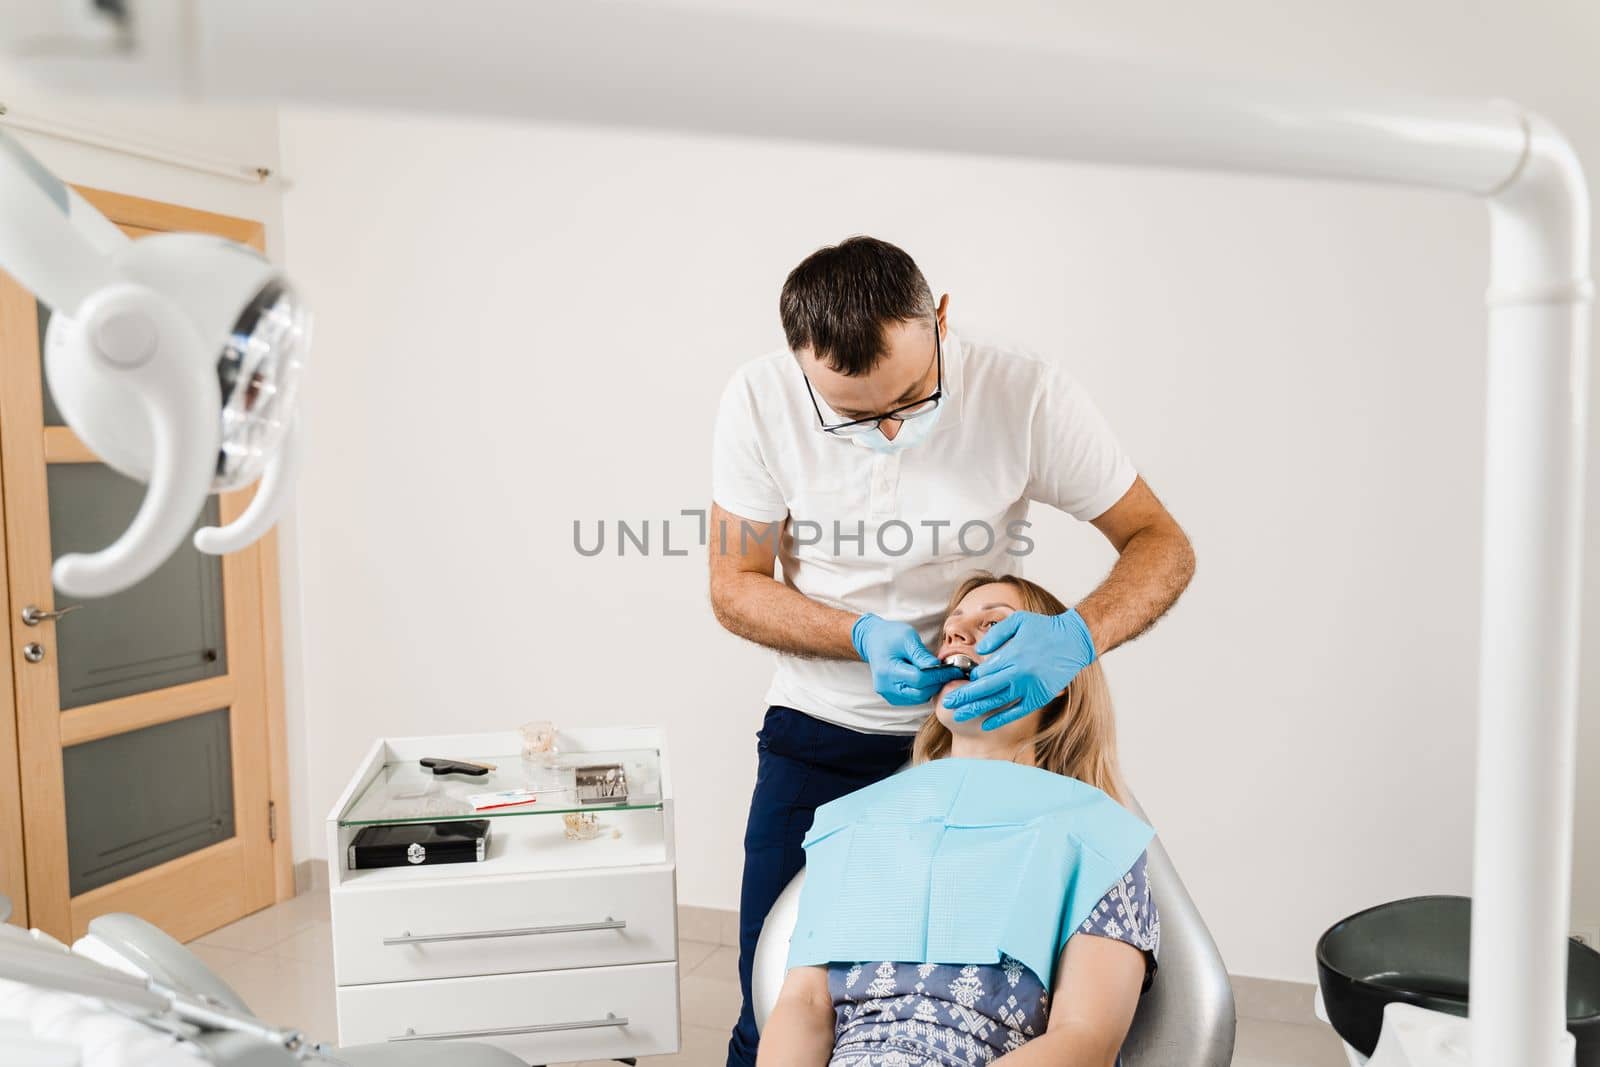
x=802, y=764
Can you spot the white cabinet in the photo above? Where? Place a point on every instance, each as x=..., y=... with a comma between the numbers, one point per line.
x=504, y=925
x=543, y=1016
x=555, y=949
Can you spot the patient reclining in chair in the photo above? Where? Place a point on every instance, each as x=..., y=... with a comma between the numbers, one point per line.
x=987, y=905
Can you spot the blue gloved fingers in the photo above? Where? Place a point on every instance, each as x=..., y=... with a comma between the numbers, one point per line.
x=1001, y=632
x=904, y=672
x=909, y=694
x=1010, y=715
x=902, y=692
x=921, y=658
x=901, y=673
x=981, y=689
x=996, y=664
x=986, y=707
x=907, y=685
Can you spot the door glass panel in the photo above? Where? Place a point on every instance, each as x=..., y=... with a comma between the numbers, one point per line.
x=138, y=799
x=165, y=631
x=52, y=414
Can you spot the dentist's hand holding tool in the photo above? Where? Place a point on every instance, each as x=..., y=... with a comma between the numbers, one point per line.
x=904, y=672
x=1030, y=659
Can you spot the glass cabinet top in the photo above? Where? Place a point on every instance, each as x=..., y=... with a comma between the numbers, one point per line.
x=560, y=783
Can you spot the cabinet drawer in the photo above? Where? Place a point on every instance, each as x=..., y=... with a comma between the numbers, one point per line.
x=550, y=1017
x=504, y=925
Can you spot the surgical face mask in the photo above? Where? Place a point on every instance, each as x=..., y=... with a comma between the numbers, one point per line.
x=912, y=432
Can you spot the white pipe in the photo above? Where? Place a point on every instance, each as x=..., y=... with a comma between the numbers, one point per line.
x=1528, y=675
x=761, y=71
x=756, y=70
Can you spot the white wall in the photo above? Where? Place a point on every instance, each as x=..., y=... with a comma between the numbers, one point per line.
x=520, y=327
x=245, y=136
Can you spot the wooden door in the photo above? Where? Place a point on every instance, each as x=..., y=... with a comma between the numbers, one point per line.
x=149, y=735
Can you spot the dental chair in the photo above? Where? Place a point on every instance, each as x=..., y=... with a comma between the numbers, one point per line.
x=156, y=954
x=1186, y=1019
x=147, y=976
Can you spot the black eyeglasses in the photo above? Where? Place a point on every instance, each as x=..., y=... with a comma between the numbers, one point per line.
x=913, y=410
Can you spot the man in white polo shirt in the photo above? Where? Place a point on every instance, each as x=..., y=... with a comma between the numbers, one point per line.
x=878, y=460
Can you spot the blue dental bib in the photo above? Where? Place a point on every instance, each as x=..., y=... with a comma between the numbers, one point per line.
x=958, y=861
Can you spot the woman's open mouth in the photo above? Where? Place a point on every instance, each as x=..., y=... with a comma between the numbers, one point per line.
x=958, y=654
x=961, y=661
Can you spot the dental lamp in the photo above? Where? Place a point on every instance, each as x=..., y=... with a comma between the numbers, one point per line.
x=175, y=358
x=762, y=71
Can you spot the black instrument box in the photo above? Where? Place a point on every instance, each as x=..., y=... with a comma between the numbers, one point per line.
x=408, y=844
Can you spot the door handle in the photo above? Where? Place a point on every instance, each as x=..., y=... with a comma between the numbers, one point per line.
x=33, y=616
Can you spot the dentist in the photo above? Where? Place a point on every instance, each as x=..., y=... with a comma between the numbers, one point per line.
x=875, y=461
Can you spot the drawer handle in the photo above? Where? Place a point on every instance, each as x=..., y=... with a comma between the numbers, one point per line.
x=408, y=938
x=611, y=1019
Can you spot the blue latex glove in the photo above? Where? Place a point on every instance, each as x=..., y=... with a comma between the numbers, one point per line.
x=1030, y=659
x=904, y=672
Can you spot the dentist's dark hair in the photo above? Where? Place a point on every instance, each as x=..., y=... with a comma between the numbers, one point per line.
x=839, y=299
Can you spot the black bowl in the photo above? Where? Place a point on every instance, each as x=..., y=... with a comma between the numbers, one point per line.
x=1418, y=951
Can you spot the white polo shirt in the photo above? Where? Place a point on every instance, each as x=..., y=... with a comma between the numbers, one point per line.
x=894, y=533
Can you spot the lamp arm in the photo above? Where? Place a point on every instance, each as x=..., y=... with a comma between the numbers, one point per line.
x=51, y=239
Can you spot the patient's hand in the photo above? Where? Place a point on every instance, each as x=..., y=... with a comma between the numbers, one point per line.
x=799, y=1033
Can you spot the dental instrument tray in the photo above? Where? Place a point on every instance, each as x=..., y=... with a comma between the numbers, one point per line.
x=592, y=780
x=402, y=844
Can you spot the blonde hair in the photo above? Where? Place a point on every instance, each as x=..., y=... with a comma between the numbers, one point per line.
x=1076, y=733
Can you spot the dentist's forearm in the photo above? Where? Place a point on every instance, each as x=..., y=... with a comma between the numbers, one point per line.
x=1152, y=571
x=762, y=609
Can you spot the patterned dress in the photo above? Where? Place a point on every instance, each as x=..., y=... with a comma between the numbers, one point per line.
x=890, y=1014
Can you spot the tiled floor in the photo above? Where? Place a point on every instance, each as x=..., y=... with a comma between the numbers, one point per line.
x=281, y=962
